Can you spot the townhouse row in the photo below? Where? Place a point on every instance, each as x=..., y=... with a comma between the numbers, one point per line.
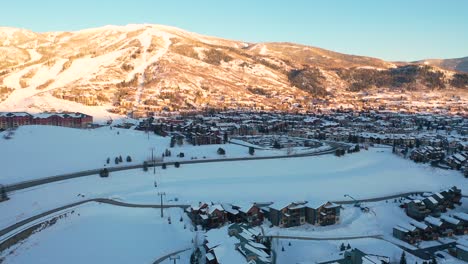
x=279, y=214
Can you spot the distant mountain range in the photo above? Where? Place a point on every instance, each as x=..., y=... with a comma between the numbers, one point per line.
x=145, y=68
x=460, y=64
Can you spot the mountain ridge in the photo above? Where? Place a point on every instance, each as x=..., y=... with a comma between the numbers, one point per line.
x=141, y=68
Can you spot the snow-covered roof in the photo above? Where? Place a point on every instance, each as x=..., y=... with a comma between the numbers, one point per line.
x=419, y=225
x=331, y=205
x=439, y=195
x=10, y=114
x=229, y=209
x=210, y=256
x=215, y=207
x=315, y=204
x=257, y=245
x=463, y=241
x=246, y=235
x=256, y=251
x=401, y=229
x=408, y=227
x=279, y=206
x=450, y=220
x=432, y=200
x=204, y=217
x=433, y=221
x=461, y=215
x=245, y=207
x=459, y=157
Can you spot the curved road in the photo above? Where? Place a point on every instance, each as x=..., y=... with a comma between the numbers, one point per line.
x=131, y=205
x=32, y=183
x=118, y=203
x=99, y=200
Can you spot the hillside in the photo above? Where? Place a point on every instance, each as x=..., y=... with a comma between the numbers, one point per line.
x=139, y=69
x=459, y=64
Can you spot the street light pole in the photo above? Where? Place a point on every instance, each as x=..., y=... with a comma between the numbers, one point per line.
x=161, y=194
x=356, y=202
x=174, y=257
x=152, y=160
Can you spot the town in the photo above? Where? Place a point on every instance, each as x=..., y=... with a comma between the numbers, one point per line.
x=438, y=141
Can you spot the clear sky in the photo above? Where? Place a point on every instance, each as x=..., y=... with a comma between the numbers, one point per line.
x=388, y=29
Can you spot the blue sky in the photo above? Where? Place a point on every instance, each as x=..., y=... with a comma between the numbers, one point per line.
x=391, y=30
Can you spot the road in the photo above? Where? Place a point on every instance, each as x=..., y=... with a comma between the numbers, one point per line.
x=41, y=181
x=382, y=198
x=99, y=200
x=161, y=259
x=131, y=205
x=324, y=238
x=118, y=203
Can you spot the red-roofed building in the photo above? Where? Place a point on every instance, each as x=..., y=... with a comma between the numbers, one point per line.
x=15, y=119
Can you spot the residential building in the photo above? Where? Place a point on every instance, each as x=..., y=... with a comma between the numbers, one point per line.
x=15, y=119
x=417, y=210
x=288, y=215
x=426, y=231
x=463, y=217
x=322, y=214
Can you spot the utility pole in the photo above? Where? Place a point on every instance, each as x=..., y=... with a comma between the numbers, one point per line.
x=161, y=194
x=174, y=258
x=152, y=160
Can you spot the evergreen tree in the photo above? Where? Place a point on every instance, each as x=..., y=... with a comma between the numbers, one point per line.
x=129, y=159
x=221, y=151
x=342, y=247
x=3, y=193
x=104, y=172
x=120, y=158
x=276, y=145
x=180, y=141
x=348, y=246
x=337, y=152
x=168, y=153
x=403, y=258
x=251, y=150
x=116, y=160
x=108, y=160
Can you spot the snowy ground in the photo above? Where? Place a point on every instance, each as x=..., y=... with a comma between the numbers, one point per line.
x=317, y=178
x=302, y=251
x=41, y=151
x=381, y=219
x=372, y=173
x=99, y=233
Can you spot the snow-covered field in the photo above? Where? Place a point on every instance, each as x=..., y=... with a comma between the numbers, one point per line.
x=40, y=151
x=365, y=174
x=372, y=173
x=99, y=233
x=310, y=252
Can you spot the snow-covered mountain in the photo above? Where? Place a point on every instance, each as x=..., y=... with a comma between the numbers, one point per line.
x=145, y=68
x=458, y=64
